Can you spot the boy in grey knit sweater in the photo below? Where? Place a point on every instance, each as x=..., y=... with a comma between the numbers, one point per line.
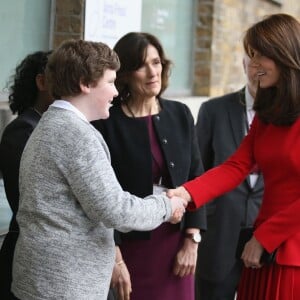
x=70, y=199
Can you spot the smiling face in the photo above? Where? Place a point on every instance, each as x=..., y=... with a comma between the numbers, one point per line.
x=102, y=94
x=145, y=82
x=251, y=74
x=267, y=71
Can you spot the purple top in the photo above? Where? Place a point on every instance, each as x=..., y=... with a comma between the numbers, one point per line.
x=159, y=170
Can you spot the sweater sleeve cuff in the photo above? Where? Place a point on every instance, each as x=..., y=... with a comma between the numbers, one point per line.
x=168, y=207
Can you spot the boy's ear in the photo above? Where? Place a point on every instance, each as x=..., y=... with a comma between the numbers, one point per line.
x=84, y=88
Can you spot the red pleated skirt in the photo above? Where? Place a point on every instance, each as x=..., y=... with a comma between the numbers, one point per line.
x=271, y=282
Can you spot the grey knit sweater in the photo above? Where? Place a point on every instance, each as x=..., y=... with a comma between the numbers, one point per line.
x=70, y=201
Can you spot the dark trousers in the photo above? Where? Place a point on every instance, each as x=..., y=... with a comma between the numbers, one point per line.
x=6, y=260
x=222, y=290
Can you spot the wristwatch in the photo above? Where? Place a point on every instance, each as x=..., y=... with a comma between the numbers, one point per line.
x=195, y=237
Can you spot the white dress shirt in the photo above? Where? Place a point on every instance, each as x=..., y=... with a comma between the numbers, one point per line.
x=250, y=115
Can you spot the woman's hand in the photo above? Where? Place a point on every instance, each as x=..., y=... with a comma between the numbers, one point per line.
x=186, y=258
x=179, y=192
x=121, y=281
x=252, y=253
x=178, y=208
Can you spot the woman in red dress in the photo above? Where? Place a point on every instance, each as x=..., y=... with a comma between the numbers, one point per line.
x=273, y=144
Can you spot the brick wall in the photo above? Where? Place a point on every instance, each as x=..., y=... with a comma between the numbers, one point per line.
x=68, y=21
x=202, y=46
x=218, y=48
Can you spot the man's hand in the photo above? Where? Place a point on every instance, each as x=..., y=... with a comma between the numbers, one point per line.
x=178, y=208
x=179, y=192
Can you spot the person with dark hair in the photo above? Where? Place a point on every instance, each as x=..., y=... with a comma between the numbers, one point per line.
x=221, y=125
x=153, y=146
x=70, y=199
x=29, y=98
x=273, y=146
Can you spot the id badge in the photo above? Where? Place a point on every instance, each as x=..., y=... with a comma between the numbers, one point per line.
x=158, y=189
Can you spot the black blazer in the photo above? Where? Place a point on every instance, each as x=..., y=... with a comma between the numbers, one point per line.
x=220, y=128
x=129, y=146
x=13, y=141
x=12, y=144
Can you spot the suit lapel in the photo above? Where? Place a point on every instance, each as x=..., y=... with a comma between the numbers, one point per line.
x=236, y=111
x=237, y=117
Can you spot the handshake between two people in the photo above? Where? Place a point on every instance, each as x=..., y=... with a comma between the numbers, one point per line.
x=179, y=198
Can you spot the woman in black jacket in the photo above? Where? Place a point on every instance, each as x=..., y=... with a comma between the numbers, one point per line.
x=29, y=98
x=153, y=146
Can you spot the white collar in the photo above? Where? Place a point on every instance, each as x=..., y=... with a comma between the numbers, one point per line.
x=248, y=99
x=68, y=106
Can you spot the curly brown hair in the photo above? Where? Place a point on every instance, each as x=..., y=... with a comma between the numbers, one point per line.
x=23, y=90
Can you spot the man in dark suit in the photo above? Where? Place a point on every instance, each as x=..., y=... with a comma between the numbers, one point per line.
x=222, y=123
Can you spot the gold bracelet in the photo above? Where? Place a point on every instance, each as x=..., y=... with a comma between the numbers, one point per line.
x=120, y=262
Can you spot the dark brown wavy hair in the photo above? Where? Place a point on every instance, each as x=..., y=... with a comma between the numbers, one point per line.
x=131, y=49
x=278, y=38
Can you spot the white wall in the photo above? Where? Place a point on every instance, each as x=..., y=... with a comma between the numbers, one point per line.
x=193, y=103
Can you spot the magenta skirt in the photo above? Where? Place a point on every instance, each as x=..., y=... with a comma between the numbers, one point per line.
x=272, y=282
x=150, y=264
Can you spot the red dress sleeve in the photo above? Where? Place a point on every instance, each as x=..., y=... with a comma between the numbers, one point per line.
x=225, y=177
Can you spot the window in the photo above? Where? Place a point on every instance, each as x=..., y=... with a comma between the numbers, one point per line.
x=172, y=22
x=25, y=28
